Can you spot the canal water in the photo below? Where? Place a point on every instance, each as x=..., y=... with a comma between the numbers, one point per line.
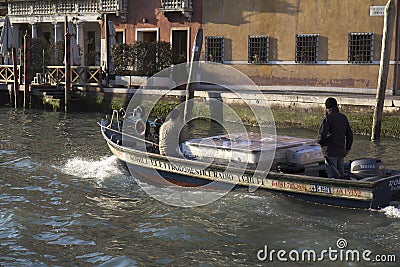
x=66, y=201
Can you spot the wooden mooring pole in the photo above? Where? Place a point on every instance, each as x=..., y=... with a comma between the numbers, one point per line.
x=67, y=66
x=27, y=67
x=196, y=51
x=15, y=71
x=383, y=70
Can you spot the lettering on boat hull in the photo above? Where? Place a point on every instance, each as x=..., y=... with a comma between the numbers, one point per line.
x=246, y=179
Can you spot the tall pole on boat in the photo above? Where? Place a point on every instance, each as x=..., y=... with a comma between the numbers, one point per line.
x=196, y=50
x=383, y=70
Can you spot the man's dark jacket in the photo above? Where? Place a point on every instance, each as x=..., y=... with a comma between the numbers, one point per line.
x=335, y=135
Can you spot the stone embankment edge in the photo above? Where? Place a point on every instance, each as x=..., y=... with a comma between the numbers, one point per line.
x=303, y=109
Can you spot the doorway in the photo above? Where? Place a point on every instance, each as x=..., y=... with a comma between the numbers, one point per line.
x=91, y=48
x=180, y=45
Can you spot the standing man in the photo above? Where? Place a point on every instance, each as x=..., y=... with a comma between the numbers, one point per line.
x=335, y=137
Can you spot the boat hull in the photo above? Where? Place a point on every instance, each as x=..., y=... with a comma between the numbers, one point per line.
x=156, y=169
x=144, y=175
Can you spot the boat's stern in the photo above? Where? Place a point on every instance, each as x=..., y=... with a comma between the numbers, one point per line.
x=386, y=192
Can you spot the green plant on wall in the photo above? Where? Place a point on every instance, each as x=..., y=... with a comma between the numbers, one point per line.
x=57, y=51
x=179, y=58
x=44, y=54
x=122, y=58
x=164, y=55
x=39, y=54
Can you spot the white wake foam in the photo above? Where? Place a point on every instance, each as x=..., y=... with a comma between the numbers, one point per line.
x=97, y=169
x=391, y=211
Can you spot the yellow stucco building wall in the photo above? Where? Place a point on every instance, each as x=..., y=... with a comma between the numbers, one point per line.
x=281, y=20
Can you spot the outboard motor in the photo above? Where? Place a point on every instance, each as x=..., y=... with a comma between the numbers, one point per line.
x=367, y=167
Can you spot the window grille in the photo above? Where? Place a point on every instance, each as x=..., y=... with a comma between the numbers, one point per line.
x=307, y=48
x=361, y=47
x=258, y=49
x=215, y=49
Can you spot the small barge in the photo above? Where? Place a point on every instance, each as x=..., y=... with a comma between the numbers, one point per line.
x=296, y=170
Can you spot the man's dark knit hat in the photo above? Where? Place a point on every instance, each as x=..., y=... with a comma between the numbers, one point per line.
x=330, y=103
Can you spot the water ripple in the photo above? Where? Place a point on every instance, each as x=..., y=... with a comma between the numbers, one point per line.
x=9, y=199
x=8, y=229
x=7, y=152
x=47, y=191
x=122, y=261
x=48, y=236
x=71, y=240
x=24, y=164
x=115, y=202
x=95, y=257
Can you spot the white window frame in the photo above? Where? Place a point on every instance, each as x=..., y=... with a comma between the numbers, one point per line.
x=189, y=48
x=138, y=30
x=123, y=36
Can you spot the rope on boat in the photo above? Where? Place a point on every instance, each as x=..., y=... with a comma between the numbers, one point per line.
x=128, y=135
x=155, y=123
